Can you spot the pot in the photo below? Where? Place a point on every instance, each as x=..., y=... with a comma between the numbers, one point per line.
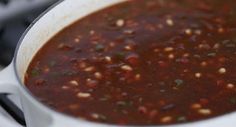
x=51, y=22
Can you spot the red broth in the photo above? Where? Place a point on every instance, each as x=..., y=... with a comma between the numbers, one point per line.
x=145, y=62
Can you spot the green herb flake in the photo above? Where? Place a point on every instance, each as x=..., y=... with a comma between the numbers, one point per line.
x=196, y=56
x=35, y=72
x=52, y=63
x=105, y=98
x=99, y=48
x=179, y=82
x=232, y=100
x=130, y=103
x=102, y=117
x=121, y=103
x=225, y=42
x=161, y=83
x=181, y=119
x=69, y=73
x=211, y=54
x=230, y=46
x=120, y=55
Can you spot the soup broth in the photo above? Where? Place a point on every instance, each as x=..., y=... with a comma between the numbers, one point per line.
x=145, y=62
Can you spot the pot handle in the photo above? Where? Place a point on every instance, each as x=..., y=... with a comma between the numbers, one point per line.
x=8, y=85
x=8, y=81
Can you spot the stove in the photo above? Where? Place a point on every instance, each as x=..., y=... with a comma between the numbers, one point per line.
x=15, y=17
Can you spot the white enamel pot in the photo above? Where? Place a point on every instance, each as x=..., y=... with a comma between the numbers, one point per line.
x=51, y=22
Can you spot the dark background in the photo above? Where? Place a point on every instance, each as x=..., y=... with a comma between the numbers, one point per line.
x=15, y=17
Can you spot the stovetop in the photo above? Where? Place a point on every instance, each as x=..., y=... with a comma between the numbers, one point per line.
x=15, y=17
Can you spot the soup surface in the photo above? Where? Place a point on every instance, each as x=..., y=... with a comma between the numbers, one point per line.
x=145, y=62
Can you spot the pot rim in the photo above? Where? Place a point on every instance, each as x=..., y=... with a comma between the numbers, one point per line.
x=29, y=94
